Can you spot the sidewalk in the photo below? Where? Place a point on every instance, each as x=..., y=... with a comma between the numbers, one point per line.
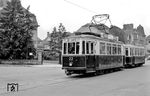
x=43, y=65
x=47, y=65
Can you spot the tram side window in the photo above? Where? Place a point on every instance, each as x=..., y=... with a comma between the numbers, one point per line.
x=131, y=52
x=138, y=52
x=141, y=52
x=87, y=48
x=77, y=47
x=127, y=52
x=65, y=48
x=135, y=51
x=108, y=49
x=92, y=48
x=102, y=48
x=71, y=48
x=114, y=49
x=119, y=49
x=83, y=47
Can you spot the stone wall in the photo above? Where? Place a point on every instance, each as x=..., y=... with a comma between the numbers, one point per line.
x=20, y=62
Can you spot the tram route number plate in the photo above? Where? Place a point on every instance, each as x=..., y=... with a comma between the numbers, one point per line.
x=12, y=87
x=70, y=58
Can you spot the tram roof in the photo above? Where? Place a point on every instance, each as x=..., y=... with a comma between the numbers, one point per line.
x=131, y=45
x=83, y=36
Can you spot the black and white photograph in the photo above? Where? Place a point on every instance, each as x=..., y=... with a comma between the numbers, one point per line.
x=74, y=48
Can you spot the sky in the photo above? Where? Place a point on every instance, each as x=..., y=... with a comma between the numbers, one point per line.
x=75, y=13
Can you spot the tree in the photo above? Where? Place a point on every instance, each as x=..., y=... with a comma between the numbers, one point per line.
x=16, y=28
x=61, y=28
x=57, y=36
x=56, y=40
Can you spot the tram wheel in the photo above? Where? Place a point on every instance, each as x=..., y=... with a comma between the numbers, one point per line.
x=96, y=73
x=101, y=72
x=67, y=73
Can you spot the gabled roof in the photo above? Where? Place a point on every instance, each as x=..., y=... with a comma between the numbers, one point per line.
x=38, y=39
x=116, y=31
x=140, y=31
x=148, y=37
x=48, y=38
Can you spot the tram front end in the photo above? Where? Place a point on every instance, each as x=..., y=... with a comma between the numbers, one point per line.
x=73, y=62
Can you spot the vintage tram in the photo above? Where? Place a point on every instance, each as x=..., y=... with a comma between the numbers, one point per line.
x=94, y=48
x=134, y=55
x=91, y=54
x=88, y=53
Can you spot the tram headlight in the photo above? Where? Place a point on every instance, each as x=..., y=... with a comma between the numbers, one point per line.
x=70, y=64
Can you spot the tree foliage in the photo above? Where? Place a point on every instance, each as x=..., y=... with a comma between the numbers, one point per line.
x=57, y=36
x=16, y=32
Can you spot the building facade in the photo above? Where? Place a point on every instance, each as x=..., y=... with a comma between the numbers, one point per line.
x=135, y=36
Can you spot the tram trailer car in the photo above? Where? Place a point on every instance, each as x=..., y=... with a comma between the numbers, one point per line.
x=87, y=53
x=134, y=55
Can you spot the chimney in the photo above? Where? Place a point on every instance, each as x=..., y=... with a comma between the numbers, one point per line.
x=127, y=26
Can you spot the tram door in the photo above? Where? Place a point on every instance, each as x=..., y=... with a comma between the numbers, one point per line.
x=90, y=57
x=126, y=52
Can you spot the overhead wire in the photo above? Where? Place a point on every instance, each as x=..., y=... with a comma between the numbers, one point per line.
x=80, y=6
x=93, y=18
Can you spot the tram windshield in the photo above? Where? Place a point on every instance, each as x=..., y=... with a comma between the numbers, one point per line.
x=71, y=48
x=84, y=47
